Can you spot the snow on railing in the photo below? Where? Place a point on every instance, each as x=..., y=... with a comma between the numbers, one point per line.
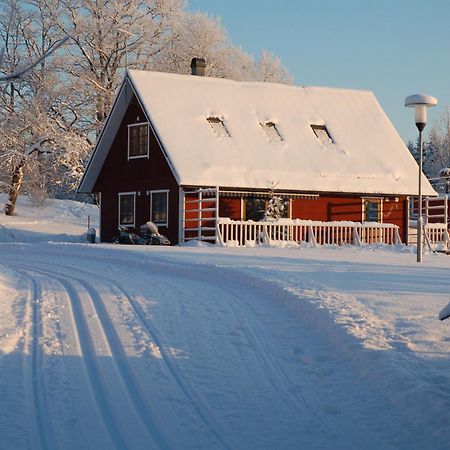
x=295, y=231
x=437, y=237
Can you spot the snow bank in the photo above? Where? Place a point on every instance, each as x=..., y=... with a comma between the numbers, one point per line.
x=57, y=221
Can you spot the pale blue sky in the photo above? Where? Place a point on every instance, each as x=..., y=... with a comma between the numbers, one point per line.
x=392, y=47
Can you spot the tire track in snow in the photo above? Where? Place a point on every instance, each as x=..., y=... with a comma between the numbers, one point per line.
x=134, y=392
x=89, y=358
x=267, y=362
x=37, y=387
x=201, y=408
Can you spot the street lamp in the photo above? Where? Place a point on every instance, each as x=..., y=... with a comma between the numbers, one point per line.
x=421, y=102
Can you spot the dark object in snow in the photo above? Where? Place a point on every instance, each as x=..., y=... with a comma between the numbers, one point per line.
x=149, y=235
x=445, y=313
x=90, y=235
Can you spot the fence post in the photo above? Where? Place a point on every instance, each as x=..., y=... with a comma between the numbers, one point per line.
x=311, y=237
x=446, y=239
x=219, y=238
x=265, y=235
x=397, y=239
x=356, y=237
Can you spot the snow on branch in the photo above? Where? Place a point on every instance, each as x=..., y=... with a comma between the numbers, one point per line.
x=20, y=73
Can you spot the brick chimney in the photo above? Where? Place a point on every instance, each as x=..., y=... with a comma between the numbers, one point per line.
x=198, y=67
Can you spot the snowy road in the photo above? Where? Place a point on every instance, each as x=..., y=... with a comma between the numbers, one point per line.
x=104, y=348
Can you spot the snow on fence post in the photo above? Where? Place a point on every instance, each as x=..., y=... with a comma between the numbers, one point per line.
x=397, y=239
x=446, y=239
x=265, y=235
x=311, y=237
x=356, y=237
x=219, y=238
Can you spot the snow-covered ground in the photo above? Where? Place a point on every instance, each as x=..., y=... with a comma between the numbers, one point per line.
x=105, y=346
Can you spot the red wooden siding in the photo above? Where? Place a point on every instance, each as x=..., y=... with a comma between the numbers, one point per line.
x=331, y=208
x=230, y=207
x=192, y=215
x=328, y=208
x=141, y=175
x=396, y=212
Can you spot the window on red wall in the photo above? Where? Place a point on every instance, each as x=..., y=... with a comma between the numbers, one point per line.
x=127, y=205
x=372, y=210
x=159, y=207
x=138, y=140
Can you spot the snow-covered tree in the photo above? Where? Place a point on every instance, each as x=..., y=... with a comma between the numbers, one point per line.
x=277, y=206
x=269, y=68
x=52, y=104
x=200, y=35
x=105, y=36
x=436, y=151
x=36, y=120
x=438, y=144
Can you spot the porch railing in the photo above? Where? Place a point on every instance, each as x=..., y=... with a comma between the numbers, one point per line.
x=437, y=236
x=247, y=232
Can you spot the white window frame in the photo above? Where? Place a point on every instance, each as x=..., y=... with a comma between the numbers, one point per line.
x=148, y=140
x=160, y=191
x=133, y=225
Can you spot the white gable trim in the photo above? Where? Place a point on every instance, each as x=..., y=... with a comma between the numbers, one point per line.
x=108, y=134
x=155, y=133
x=106, y=138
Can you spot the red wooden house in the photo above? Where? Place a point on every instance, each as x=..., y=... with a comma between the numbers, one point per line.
x=332, y=153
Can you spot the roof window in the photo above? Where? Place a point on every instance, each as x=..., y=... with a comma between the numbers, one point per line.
x=322, y=134
x=271, y=131
x=218, y=127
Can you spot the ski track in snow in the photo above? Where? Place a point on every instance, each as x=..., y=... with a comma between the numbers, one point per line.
x=96, y=295
x=193, y=397
x=269, y=367
x=87, y=345
x=37, y=409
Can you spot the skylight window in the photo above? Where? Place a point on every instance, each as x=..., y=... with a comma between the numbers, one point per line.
x=271, y=131
x=322, y=134
x=218, y=127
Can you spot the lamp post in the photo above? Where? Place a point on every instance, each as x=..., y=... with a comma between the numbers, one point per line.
x=420, y=102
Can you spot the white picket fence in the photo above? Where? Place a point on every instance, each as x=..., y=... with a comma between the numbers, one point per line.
x=248, y=233
x=437, y=237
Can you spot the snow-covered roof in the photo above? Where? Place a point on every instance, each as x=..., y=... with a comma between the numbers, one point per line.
x=365, y=155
